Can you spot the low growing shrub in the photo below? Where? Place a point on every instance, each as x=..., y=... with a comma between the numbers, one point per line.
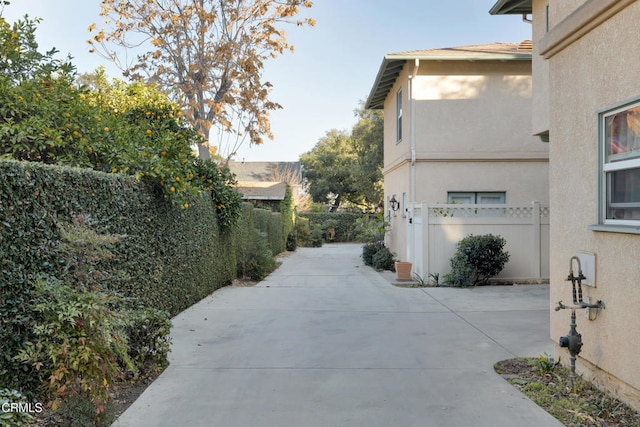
x=383, y=260
x=477, y=259
x=292, y=241
x=79, y=343
x=147, y=332
x=259, y=261
x=369, y=250
x=317, y=236
x=378, y=256
x=12, y=417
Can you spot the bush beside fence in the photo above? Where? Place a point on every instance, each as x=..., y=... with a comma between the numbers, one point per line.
x=168, y=257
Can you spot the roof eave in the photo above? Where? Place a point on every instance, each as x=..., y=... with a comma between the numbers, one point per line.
x=511, y=7
x=393, y=64
x=375, y=100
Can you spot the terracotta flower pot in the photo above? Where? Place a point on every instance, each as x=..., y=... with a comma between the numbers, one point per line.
x=403, y=270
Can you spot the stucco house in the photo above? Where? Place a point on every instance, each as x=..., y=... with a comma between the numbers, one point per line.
x=586, y=74
x=457, y=129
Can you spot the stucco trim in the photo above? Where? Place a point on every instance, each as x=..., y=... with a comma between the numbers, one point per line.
x=582, y=21
x=478, y=156
x=615, y=228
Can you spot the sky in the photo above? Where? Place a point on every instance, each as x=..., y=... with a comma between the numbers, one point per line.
x=334, y=65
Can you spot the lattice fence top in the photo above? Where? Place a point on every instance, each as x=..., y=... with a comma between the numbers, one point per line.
x=485, y=211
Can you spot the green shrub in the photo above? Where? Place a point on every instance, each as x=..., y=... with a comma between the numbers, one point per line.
x=378, y=256
x=288, y=217
x=147, y=332
x=292, y=241
x=317, y=236
x=259, y=261
x=78, y=344
x=371, y=228
x=342, y=225
x=14, y=418
x=369, y=250
x=161, y=248
x=303, y=231
x=383, y=259
x=477, y=259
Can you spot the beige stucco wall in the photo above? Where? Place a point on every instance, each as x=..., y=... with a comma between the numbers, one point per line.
x=599, y=69
x=540, y=96
x=472, y=133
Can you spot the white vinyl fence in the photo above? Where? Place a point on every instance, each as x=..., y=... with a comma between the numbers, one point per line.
x=437, y=228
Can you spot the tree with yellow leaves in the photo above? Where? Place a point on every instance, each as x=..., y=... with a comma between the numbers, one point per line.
x=208, y=55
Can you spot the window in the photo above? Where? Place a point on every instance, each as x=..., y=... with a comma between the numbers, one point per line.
x=483, y=197
x=547, y=18
x=619, y=145
x=399, y=115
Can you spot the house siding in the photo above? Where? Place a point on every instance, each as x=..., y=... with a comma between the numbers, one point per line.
x=597, y=70
x=472, y=133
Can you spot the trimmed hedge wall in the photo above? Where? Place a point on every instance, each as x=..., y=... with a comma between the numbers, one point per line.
x=343, y=225
x=169, y=257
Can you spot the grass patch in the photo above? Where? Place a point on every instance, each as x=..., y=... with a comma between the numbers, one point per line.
x=547, y=383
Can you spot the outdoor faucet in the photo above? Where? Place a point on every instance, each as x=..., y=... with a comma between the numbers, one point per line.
x=573, y=340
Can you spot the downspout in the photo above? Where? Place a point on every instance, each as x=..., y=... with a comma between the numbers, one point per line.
x=412, y=174
x=412, y=186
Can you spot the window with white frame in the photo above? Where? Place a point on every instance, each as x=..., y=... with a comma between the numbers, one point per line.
x=399, y=115
x=619, y=145
x=477, y=197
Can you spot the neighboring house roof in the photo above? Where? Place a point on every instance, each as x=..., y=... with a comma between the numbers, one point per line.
x=393, y=63
x=262, y=190
x=511, y=7
x=264, y=180
x=263, y=171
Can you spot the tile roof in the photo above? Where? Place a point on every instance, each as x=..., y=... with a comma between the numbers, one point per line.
x=472, y=52
x=262, y=171
x=262, y=190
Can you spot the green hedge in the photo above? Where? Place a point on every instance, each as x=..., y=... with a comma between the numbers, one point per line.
x=168, y=259
x=336, y=227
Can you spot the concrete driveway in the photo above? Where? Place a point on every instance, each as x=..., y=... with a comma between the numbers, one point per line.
x=327, y=341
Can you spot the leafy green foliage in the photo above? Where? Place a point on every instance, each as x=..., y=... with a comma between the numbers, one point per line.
x=147, y=332
x=113, y=127
x=13, y=418
x=149, y=249
x=161, y=248
x=383, y=259
x=288, y=216
x=372, y=228
x=218, y=181
x=77, y=343
x=259, y=261
x=327, y=168
x=367, y=138
x=545, y=364
x=347, y=167
x=259, y=239
x=377, y=255
x=477, y=259
x=343, y=223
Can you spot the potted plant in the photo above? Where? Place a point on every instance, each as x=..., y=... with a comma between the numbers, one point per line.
x=403, y=270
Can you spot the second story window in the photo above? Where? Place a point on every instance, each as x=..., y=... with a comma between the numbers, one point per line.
x=399, y=115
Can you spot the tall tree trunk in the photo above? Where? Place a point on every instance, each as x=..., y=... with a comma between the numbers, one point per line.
x=336, y=204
